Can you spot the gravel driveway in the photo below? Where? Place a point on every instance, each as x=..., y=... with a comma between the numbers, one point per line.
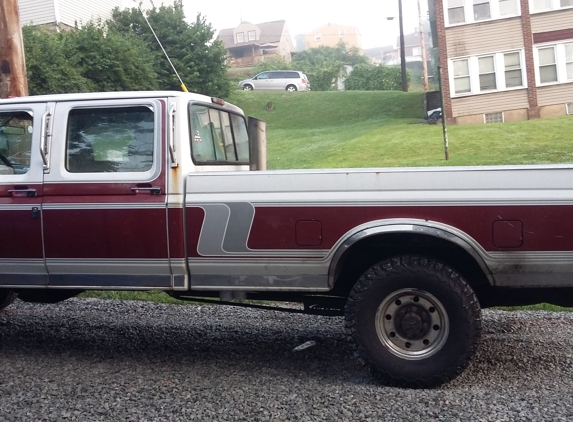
x=94, y=360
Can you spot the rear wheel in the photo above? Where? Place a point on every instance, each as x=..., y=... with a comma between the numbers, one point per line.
x=247, y=87
x=414, y=321
x=291, y=88
x=6, y=298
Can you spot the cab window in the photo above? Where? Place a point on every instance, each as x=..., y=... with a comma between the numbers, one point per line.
x=116, y=139
x=15, y=142
x=218, y=136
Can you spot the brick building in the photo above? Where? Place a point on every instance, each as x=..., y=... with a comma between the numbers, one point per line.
x=505, y=60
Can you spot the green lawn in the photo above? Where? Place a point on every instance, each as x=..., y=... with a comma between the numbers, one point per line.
x=383, y=129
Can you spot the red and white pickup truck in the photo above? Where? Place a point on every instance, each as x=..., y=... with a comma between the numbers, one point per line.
x=152, y=190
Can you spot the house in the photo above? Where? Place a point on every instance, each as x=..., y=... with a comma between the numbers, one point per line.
x=505, y=60
x=379, y=55
x=68, y=13
x=412, y=47
x=249, y=43
x=331, y=34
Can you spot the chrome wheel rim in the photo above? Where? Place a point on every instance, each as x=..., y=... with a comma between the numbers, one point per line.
x=412, y=324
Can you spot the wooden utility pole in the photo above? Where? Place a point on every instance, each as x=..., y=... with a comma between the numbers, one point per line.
x=13, y=81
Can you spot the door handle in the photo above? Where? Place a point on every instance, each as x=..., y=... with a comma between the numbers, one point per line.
x=22, y=192
x=154, y=190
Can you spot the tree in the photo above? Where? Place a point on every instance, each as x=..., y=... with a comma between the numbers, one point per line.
x=88, y=59
x=49, y=69
x=110, y=60
x=196, y=54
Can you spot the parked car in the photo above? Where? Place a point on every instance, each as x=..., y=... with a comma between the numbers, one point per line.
x=289, y=80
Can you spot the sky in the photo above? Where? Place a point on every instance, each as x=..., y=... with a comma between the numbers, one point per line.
x=304, y=16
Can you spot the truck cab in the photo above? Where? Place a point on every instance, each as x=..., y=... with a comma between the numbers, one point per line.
x=91, y=186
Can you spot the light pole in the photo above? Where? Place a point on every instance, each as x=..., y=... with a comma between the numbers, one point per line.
x=402, y=49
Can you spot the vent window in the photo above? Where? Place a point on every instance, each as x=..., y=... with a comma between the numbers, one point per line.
x=569, y=107
x=494, y=117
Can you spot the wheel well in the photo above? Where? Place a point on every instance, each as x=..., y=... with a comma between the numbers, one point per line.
x=365, y=253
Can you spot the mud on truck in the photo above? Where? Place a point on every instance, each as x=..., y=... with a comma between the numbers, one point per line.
x=152, y=191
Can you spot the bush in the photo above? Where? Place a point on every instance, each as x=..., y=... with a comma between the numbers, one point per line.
x=368, y=77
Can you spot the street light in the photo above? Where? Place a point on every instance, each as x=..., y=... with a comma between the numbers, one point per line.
x=402, y=48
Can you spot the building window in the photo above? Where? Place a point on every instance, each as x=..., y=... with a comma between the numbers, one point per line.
x=508, y=8
x=486, y=66
x=240, y=37
x=481, y=10
x=317, y=37
x=495, y=72
x=462, y=83
x=470, y=11
x=541, y=4
x=252, y=35
x=544, y=5
x=547, y=65
x=569, y=60
x=456, y=12
x=513, y=73
x=341, y=33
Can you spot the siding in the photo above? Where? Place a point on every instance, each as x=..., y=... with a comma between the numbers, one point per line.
x=552, y=21
x=82, y=11
x=555, y=94
x=490, y=103
x=486, y=37
x=37, y=12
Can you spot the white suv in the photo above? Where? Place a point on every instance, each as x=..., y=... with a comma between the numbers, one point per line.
x=289, y=80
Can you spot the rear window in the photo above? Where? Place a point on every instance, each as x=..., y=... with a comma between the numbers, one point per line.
x=15, y=142
x=114, y=139
x=292, y=75
x=217, y=136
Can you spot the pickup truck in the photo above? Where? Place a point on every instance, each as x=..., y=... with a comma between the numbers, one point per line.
x=153, y=191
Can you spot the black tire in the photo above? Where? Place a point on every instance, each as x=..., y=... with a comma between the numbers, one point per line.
x=414, y=321
x=6, y=298
x=248, y=87
x=291, y=88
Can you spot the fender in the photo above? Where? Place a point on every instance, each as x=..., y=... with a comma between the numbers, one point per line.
x=415, y=226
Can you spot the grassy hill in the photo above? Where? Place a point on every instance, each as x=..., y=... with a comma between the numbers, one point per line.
x=382, y=129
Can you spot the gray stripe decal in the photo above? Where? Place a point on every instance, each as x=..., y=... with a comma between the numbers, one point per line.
x=239, y=227
x=225, y=229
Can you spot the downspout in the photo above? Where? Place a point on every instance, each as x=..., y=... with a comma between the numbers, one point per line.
x=56, y=14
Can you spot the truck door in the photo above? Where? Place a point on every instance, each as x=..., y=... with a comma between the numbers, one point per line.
x=105, y=215
x=21, y=173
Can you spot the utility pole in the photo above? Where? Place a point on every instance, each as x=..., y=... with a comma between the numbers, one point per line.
x=402, y=49
x=13, y=81
x=423, y=45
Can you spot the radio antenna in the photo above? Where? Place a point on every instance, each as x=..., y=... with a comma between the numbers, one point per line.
x=183, y=87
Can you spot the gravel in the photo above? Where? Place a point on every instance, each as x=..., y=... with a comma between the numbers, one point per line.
x=94, y=360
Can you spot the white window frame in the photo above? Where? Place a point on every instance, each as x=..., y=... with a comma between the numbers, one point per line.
x=468, y=5
x=240, y=38
x=568, y=62
x=560, y=61
x=554, y=5
x=341, y=33
x=499, y=64
x=318, y=37
x=254, y=35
